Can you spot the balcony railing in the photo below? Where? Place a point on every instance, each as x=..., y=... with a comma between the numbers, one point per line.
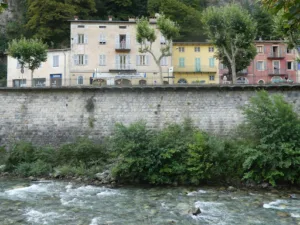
x=122, y=67
x=276, y=55
x=195, y=69
x=123, y=46
x=272, y=72
x=243, y=72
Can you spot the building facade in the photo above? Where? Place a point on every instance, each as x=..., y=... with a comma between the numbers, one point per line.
x=54, y=72
x=107, y=53
x=274, y=63
x=194, y=63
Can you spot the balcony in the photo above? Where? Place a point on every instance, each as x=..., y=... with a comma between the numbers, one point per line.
x=122, y=68
x=276, y=55
x=122, y=47
x=195, y=69
x=243, y=72
x=277, y=72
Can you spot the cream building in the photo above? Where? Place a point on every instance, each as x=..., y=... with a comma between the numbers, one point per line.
x=107, y=53
x=54, y=72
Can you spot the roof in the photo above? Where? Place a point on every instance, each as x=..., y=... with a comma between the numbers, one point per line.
x=106, y=21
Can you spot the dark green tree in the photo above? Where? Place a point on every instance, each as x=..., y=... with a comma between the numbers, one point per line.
x=188, y=18
x=48, y=20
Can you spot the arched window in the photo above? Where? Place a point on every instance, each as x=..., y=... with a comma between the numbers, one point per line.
x=123, y=82
x=276, y=79
x=182, y=81
x=261, y=82
x=80, y=80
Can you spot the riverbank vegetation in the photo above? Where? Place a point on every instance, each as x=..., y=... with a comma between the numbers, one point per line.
x=263, y=149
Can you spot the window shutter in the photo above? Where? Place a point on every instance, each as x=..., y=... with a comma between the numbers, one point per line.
x=104, y=59
x=100, y=38
x=117, y=42
x=76, y=39
x=85, y=39
x=137, y=60
x=117, y=62
x=256, y=65
x=265, y=66
x=166, y=61
x=265, y=49
x=127, y=41
x=295, y=65
x=100, y=60
x=85, y=59
x=128, y=65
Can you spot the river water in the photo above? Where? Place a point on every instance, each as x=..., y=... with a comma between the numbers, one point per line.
x=54, y=202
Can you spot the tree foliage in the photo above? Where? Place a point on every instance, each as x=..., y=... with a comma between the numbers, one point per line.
x=184, y=14
x=232, y=30
x=146, y=36
x=276, y=127
x=48, y=20
x=30, y=53
x=3, y=6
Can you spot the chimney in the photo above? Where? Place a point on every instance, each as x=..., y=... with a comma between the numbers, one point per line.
x=110, y=18
x=131, y=19
x=152, y=19
x=75, y=17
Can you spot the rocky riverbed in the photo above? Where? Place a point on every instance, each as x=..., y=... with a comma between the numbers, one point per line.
x=58, y=202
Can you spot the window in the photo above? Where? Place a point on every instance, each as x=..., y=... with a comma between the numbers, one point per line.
x=290, y=65
x=80, y=39
x=197, y=49
x=212, y=62
x=122, y=27
x=260, y=65
x=181, y=49
x=56, y=61
x=102, y=39
x=80, y=80
x=182, y=81
x=288, y=50
x=162, y=40
x=164, y=61
x=19, y=83
x=211, y=77
x=102, y=60
x=142, y=60
x=18, y=65
x=39, y=82
x=41, y=65
x=102, y=27
x=259, y=49
x=211, y=49
x=80, y=59
x=181, y=62
x=80, y=26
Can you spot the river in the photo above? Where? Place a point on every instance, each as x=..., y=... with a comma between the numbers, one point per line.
x=55, y=202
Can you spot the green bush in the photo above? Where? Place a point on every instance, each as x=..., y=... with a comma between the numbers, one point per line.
x=21, y=152
x=37, y=168
x=82, y=151
x=276, y=128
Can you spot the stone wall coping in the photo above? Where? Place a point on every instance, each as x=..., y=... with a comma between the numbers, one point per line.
x=155, y=88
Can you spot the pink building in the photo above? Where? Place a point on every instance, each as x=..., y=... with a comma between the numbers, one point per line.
x=274, y=63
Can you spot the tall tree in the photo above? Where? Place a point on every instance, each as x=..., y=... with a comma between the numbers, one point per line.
x=30, y=53
x=287, y=20
x=187, y=17
x=48, y=20
x=146, y=37
x=232, y=30
x=290, y=10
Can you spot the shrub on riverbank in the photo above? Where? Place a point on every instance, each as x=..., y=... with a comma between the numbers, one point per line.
x=76, y=159
x=176, y=154
x=275, y=128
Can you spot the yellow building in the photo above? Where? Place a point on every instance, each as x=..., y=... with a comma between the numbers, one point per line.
x=194, y=63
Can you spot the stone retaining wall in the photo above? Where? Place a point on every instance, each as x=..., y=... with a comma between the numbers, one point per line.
x=54, y=116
